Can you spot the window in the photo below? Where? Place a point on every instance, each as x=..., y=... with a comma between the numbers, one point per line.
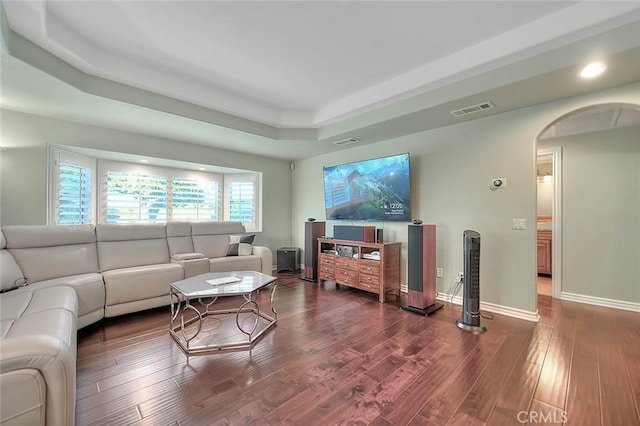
x=241, y=193
x=194, y=200
x=88, y=190
x=72, y=194
x=135, y=198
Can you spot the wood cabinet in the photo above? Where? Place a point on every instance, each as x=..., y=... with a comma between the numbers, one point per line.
x=380, y=276
x=544, y=252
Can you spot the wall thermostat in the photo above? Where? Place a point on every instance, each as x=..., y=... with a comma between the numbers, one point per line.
x=497, y=183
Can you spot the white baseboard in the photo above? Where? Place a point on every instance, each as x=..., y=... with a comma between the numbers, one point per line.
x=600, y=301
x=496, y=309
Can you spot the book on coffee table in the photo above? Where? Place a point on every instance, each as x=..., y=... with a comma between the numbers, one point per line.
x=224, y=280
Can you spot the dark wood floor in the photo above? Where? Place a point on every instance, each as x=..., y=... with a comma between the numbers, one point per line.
x=336, y=356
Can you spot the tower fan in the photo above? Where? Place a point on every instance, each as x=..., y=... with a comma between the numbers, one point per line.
x=470, y=320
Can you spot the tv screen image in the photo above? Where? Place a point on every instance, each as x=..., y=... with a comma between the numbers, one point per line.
x=375, y=190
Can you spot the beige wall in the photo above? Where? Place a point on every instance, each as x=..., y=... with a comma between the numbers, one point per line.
x=451, y=168
x=601, y=213
x=23, y=168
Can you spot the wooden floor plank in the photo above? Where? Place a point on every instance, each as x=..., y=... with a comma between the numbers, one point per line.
x=483, y=395
x=445, y=401
x=583, y=400
x=554, y=377
x=337, y=356
x=616, y=396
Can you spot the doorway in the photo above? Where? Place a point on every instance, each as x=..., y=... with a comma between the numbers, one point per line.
x=549, y=221
x=594, y=141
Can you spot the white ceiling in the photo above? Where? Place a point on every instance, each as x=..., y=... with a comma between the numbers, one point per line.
x=329, y=69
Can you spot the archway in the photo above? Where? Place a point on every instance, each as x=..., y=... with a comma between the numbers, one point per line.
x=588, y=123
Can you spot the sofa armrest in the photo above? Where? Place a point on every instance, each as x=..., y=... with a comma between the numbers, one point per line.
x=54, y=360
x=192, y=265
x=267, y=258
x=187, y=256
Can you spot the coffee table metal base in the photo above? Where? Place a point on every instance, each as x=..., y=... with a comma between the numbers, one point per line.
x=250, y=305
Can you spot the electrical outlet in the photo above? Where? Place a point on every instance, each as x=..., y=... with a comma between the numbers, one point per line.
x=519, y=224
x=439, y=272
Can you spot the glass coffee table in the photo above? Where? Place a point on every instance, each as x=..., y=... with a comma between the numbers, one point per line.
x=206, y=289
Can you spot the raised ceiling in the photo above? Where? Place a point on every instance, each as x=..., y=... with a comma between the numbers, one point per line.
x=285, y=79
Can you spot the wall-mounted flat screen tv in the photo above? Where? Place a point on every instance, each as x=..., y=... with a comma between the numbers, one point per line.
x=373, y=190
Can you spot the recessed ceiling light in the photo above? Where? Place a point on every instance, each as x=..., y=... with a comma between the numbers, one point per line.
x=201, y=168
x=592, y=70
x=144, y=161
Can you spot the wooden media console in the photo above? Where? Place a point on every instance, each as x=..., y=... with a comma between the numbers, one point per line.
x=363, y=269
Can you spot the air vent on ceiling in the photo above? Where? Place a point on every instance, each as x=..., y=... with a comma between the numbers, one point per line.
x=472, y=109
x=347, y=141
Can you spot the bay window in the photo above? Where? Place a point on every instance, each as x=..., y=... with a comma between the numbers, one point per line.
x=119, y=192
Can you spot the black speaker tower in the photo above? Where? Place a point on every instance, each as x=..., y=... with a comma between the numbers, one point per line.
x=421, y=270
x=312, y=231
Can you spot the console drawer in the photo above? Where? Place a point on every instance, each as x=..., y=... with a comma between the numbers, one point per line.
x=327, y=259
x=371, y=267
x=347, y=276
x=370, y=280
x=345, y=262
x=369, y=286
x=326, y=275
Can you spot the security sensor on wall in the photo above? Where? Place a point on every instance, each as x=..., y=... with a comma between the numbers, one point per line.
x=497, y=183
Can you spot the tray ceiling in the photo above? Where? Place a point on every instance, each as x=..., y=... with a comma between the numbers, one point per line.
x=319, y=66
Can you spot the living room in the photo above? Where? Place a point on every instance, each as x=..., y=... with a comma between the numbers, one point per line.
x=452, y=162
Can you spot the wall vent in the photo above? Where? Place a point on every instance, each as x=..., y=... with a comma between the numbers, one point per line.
x=347, y=141
x=472, y=109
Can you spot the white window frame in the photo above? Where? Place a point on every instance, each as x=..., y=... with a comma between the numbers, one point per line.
x=197, y=177
x=127, y=168
x=255, y=178
x=56, y=157
x=105, y=166
x=99, y=167
x=223, y=180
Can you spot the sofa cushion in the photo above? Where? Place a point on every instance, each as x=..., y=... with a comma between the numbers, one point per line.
x=211, y=245
x=217, y=228
x=139, y=283
x=127, y=254
x=43, y=263
x=38, y=312
x=48, y=236
x=130, y=232
x=212, y=238
x=39, y=336
x=236, y=263
x=24, y=394
x=46, y=252
x=10, y=273
x=179, y=238
x=127, y=246
x=88, y=287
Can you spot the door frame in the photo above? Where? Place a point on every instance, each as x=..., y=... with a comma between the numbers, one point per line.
x=555, y=153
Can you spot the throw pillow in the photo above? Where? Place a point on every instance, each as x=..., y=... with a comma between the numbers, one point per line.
x=240, y=245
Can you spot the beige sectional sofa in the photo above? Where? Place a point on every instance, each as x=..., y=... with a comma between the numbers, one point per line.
x=76, y=276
